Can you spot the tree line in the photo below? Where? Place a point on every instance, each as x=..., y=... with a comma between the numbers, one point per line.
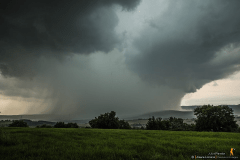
x=209, y=118
x=21, y=123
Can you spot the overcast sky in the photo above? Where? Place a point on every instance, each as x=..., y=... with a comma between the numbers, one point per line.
x=90, y=57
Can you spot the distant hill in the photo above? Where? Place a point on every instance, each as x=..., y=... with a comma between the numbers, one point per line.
x=165, y=114
x=236, y=108
x=189, y=107
x=42, y=117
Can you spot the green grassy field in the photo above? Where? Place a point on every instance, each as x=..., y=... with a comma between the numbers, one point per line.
x=110, y=144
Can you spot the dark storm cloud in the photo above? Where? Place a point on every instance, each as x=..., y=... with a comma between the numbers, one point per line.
x=179, y=48
x=31, y=29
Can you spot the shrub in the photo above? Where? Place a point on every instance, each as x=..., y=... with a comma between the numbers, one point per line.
x=136, y=128
x=238, y=130
x=175, y=124
x=154, y=124
x=171, y=124
x=71, y=125
x=109, y=121
x=59, y=125
x=188, y=127
x=165, y=125
x=44, y=126
x=62, y=125
x=18, y=123
x=124, y=125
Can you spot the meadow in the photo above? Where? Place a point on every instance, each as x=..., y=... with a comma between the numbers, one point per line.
x=111, y=144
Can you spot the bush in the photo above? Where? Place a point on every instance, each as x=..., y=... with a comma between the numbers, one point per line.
x=62, y=125
x=44, y=126
x=175, y=124
x=18, y=123
x=136, y=128
x=71, y=125
x=188, y=127
x=238, y=130
x=59, y=125
x=154, y=124
x=109, y=121
x=124, y=125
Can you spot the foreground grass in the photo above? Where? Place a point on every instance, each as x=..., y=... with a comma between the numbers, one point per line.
x=107, y=144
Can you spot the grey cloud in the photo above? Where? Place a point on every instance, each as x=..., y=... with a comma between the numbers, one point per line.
x=85, y=91
x=31, y=29
x=179, y=47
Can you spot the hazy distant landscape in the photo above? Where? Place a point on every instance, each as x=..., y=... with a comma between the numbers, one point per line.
x=137, y=121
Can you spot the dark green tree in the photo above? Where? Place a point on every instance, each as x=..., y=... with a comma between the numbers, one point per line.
x=176, y=123
x=171, y=123
x=188, y=127
x=18, y=123
x=44, y=126
x=166, y=125
x=109, y=121
x=154, y=124
x=216, y=118
x=71, y=125
x=74, y=125
x=124, y=125
x=60, y=125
